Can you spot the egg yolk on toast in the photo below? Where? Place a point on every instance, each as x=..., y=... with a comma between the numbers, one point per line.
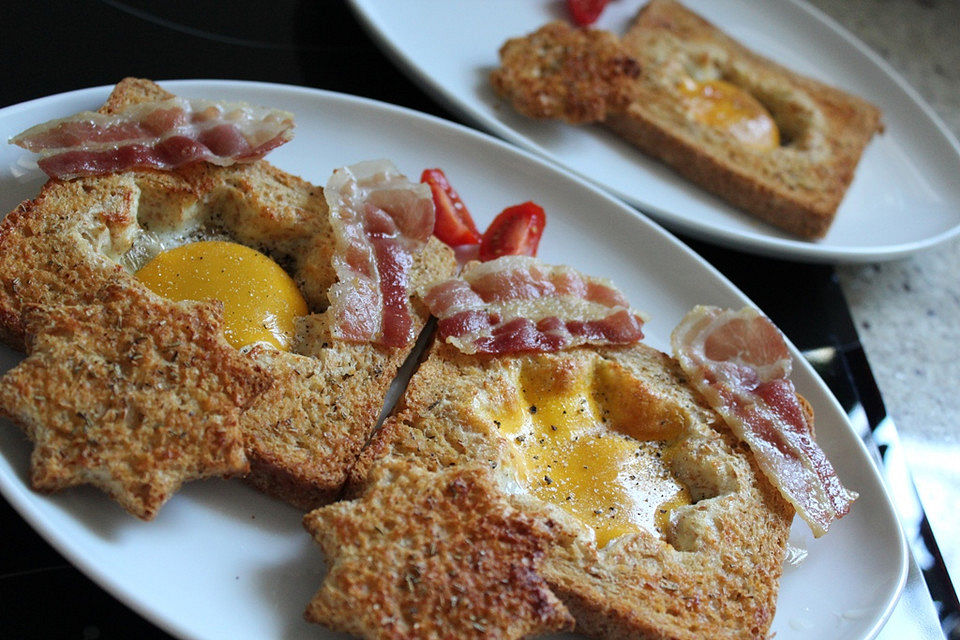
x=726, y=107
x=578, y=445
x=260, y=301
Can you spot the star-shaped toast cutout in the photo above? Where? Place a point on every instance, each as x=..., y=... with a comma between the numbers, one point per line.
x=135, y=396
x=433, y=555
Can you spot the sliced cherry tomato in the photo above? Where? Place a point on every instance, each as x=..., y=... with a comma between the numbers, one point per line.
x=515, y=232
x=454, y=225
x=585, y=12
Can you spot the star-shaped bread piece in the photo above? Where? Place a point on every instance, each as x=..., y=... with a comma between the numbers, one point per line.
x=135, y=396
x=433, y=555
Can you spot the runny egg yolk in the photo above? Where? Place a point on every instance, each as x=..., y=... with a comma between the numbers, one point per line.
x=260, y=301
x=729, y=108
x=569, y=451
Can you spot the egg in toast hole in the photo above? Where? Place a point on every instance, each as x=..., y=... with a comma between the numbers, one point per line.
x=448, y=419
x=79, y=236
x=729, y=109
x=587, y=437
x=754, y=114
x=297, y=452
x=539, y=419
x=184, y=248
x=303, y=434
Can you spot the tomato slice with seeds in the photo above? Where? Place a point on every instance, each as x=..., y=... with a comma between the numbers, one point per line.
x=516, y=231
x=585, y=12
x=454, y=226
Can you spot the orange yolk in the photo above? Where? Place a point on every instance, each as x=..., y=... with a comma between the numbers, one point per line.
x=565, y=452
x=729, y=108
x=260, y=301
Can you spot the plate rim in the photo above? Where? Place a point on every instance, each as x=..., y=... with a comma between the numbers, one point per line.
x=753, y=242
x=27, y=502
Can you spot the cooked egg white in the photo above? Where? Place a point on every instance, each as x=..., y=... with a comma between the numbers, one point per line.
x=729, y=108
x=260, y=300
x=599, y=465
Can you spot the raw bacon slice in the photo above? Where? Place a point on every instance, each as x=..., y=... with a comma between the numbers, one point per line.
x=739, y=361
x=156, y=135
x=517, y=303
x=380, y=221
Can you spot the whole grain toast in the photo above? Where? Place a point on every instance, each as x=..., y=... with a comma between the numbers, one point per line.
x=76, y=237
x=634, y=86
x=434, y=555
x=134, y=394
x=711, y=570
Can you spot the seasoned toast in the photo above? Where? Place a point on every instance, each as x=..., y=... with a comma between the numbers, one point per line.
x=134, y=394
x=674, y=85
x=394, y=551
x=76, y=237
x=707, y=566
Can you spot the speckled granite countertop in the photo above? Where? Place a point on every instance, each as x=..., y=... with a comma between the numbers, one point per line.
x=908, y=311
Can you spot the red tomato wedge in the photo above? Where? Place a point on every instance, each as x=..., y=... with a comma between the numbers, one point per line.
x=585, y=12
x=454, y=226
x=515, y=232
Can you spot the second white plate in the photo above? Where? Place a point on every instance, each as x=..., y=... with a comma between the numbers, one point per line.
x=905, y=196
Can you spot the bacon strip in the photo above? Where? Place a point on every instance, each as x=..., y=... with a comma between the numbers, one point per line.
x=380, y=222
x=517, y=303
x=156, y=135
x=739, y=361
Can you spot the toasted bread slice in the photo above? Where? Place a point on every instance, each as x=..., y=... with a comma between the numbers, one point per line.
x=641, y=87
x=76, y=237
x=134, y=394
x=434, y=555
x=707, y=565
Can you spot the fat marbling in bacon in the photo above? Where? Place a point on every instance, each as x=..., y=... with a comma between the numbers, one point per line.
x=380, y=220
x=739, y=361
x=517, y=303
x=156, y=135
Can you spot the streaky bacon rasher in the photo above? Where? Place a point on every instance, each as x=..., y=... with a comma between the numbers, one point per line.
x=159, y=135
x=517, y=303
x=739, y=361
x=380, y=221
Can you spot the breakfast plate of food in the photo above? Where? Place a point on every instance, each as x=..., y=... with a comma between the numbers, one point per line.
x=774, y=132
x=548, y=465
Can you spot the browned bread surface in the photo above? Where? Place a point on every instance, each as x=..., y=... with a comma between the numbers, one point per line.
x=307, y=430
x=131, y=91
x=714, y=571
x=78, y=236
x=575, y=75
x=135, y=395
x=434, y=555
x=797, y=186
x=38, y=262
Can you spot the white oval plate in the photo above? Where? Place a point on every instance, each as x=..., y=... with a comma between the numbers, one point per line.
x=905, y=197
x=223, y=561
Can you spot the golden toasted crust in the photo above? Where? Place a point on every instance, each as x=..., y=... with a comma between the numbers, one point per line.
x=574, y=75
x=797, y=186
x=131, y=91
x=307, y=430
x=135, y=395
x=715, y=570
x=37, y=268
x=78, y=236
x=433, y=555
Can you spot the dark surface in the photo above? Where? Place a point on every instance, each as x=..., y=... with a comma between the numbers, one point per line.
x=52, y=47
